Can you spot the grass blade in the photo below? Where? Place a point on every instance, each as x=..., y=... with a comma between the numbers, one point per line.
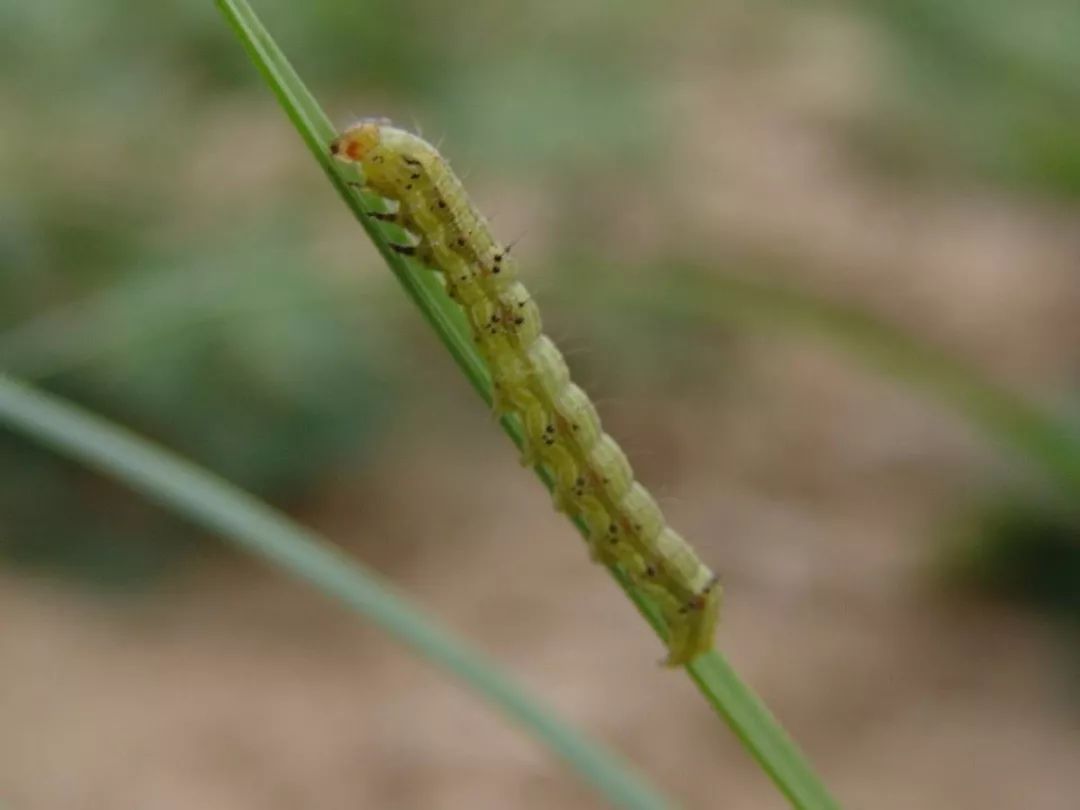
x=1048, y=443
x=760, y=733
x=219, y=507
x=1004, y=417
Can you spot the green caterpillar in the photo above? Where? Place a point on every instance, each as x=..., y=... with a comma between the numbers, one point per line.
x=593, y=480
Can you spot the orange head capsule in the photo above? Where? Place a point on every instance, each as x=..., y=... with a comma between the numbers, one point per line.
x=352, y=145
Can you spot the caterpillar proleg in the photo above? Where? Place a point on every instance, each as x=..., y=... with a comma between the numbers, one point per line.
x=593, y=481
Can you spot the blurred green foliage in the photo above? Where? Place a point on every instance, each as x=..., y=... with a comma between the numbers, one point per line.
x=1027, y=553
x=990, y=86
x=166, y=283
x=216, y=339
x=257, y=371
x=1021, y=551
x=161, y=248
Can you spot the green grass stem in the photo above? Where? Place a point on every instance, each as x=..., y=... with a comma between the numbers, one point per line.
x=762, y=736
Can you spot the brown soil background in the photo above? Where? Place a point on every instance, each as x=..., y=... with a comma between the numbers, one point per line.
x=820, y=491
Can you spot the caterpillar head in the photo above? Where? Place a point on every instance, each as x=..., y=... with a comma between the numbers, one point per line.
x=384, y=154
x=358, y=141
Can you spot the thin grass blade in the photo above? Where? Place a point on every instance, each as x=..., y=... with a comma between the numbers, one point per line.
x=236, y=516
x=762, y=736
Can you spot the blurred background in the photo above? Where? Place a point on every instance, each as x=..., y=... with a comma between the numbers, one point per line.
x=903, y=590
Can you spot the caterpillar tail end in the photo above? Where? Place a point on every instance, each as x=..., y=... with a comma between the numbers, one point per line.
x=692, y=635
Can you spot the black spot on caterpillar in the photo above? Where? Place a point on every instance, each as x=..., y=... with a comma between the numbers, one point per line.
x=593, y=481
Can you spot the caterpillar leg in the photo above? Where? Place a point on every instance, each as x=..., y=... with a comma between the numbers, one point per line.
x=500, y=405
x=642, y=574
x=602, y=545
x=382, y=216
x=534, y=420
x=691, y=629
x=564, y=472
x=570, y=490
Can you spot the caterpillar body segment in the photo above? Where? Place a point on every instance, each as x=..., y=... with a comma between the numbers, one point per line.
x=593, y=481
x=548, y=366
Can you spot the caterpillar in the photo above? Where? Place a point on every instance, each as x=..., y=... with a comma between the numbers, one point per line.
x=593, y=481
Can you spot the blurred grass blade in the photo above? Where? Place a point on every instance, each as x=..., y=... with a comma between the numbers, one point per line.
x=1049, y=444
x=760, y=733
x=1004, y=417
x=245, y=521
x=138, y=308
